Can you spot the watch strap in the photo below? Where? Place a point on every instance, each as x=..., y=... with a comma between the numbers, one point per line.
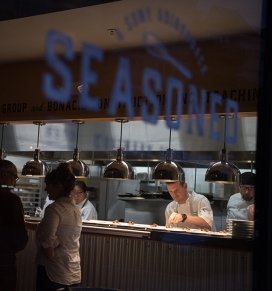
x=184, y=217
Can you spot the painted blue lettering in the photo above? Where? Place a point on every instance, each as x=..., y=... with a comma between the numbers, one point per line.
x=61, y=94
x=172, y=85
x=195, y=108
x=88, y=76
x=122, y=89
x=128, y=23
x=148, y=76
x=137, y=17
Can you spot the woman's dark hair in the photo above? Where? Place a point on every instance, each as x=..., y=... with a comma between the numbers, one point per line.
x=62, y=175
x=81, y=185
x=6, y=165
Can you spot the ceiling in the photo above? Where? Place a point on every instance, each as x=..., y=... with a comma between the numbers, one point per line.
x=23, y=27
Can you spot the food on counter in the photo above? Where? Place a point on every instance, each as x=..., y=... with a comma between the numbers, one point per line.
x=205, y=229
x=154, y=227
x=186, y=228
x=223, y=231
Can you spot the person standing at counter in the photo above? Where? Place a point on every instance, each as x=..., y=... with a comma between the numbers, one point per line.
x=188, y=209
x=240, y=204
x=80, y=196
x=58, y=234
x=13, y=233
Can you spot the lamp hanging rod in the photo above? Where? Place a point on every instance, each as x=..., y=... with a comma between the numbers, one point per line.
x=2, y=135
x=173, y=118
x=38, y=139
x=121, y=131
x=225, y=127
x=170, y=137
x=225, y=116
x=39, y=123
x=77, y=135
x=39, y=128
x=121, y=135
x=78, y=122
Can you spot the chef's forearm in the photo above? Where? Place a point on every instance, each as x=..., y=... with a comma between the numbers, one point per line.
x=197, y=220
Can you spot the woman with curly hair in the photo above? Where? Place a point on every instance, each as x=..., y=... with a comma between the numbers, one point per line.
x=58, y=234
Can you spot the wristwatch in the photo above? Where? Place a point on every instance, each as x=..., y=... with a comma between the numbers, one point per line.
x=184, y=217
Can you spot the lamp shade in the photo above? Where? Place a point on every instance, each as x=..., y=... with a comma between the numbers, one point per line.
x=168, y=171
x=222, y=172
x=35, y=167
x=78, y=167
x=119, y=169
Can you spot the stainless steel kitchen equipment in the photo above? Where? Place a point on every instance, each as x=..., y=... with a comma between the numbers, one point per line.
x=243, y=229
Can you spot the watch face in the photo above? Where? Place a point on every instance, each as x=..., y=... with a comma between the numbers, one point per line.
x=184, y=217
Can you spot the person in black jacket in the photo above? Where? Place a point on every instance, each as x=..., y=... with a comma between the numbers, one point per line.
x=13, y=233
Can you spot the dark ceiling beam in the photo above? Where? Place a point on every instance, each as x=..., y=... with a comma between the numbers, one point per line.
x=25, y=8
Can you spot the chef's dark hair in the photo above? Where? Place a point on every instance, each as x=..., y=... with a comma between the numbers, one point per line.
x=247, y=178
x=62, y=175
x=182, y=175
x=82, y=185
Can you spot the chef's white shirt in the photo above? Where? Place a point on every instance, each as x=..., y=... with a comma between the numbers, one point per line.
x=237, y=207
x=196, y=204
x=87, y=210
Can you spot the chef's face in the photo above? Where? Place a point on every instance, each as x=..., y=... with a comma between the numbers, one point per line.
x=178, y=191
x=247, y=192
x=78, y=194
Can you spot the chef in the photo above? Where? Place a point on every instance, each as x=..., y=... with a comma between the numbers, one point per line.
x=188, y=209
x=240, y=205
x=80, y=196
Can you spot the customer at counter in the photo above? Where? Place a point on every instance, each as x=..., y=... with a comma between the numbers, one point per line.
x=190, y=210
x=240, y=204
x=80, y=196
x=58, y=234
x=13, y=234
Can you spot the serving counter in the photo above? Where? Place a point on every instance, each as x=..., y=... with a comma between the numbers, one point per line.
x=128, y=257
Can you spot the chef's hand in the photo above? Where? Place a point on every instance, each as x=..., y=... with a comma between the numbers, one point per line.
x=174, y=218
x=250, y=212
